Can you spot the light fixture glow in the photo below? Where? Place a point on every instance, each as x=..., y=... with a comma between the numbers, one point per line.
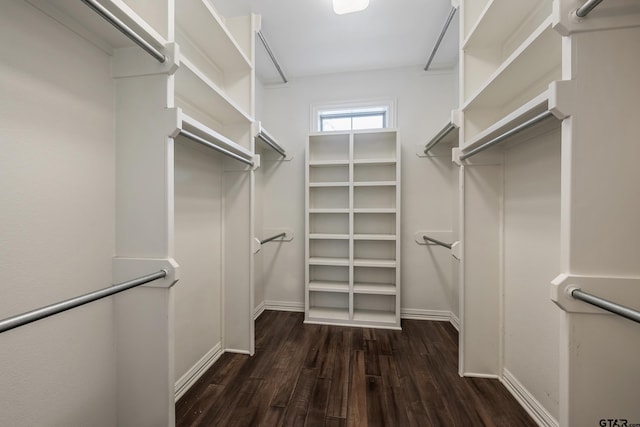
x=348, y=6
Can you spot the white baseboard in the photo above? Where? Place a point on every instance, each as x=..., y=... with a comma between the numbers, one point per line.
x=284, y=306
x=405, y=313
x=236, y=351
x=192, y=375
x=419, y=314
x=455, y=321
x=539, y=414
x=477, y=375
x=258, y=310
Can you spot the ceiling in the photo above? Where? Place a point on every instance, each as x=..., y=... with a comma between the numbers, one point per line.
x=308, y=38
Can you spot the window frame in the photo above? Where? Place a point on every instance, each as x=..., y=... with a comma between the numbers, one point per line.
x=350, y=109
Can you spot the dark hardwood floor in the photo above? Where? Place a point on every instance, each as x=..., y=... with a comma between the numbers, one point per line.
x=318, y=375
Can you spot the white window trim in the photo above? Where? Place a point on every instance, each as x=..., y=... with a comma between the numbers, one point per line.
x=316, y=108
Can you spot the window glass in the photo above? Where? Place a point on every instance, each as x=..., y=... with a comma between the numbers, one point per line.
x=356, y=115
x=328, y=124
x=368, y=122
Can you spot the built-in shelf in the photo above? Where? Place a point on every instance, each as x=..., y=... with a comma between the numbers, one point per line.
x=374, y=288
x=391, y=237
x=328, y=313
x=320, y=236
x=201, y=33
x=193, y=126
x=328, y=211
x=493, y=29
x=329, y=261
x=139, y=17
x=358, y=174
x=375, y=184
x=326, y=286
x=374, y=316
x=328, y=184
x=374, y=210
x=203, y=100
x=527, y=111
x=531, y=68
x=374, y=161
x=325, y=163
x=382, y=263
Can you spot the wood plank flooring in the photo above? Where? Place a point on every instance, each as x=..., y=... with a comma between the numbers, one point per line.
x=319, y=375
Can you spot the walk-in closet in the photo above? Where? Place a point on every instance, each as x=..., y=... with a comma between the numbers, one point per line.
x=325, y=212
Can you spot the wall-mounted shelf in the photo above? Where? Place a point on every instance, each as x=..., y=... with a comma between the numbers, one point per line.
x=83, y=20
x=352, y=205
x=210, y=47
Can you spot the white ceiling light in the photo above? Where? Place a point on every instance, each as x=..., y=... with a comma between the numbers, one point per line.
x=347, y=6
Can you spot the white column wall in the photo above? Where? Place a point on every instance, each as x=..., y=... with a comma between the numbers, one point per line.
x=531, y=259
x=57, y=232
x=424, y=103
x=198, y=250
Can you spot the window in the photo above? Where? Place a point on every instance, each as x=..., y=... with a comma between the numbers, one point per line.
x=352, y=116
x=353, y=120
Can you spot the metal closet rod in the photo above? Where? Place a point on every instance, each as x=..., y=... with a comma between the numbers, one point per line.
x=270, y=141
x=440, y=37
x=273, y=58
x=206, y=143
x=508, y=134
x=604, y=304
x=124, y=29
x=437, y=242
x=439, y=137
x=584, y=10
x=49, y=310
x=268, y=239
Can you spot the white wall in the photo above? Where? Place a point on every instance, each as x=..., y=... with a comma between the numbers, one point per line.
x=198, y=250
x=531, y=261
x=258, y=296
x=57, y=222
x=424, y=103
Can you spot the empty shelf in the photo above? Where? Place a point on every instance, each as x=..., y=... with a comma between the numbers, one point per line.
x=367, y=262
x=374, y=184
x=328, y=313
x=374, y=237
x=329, y=261
x=328, y=184
x=326, y=236
x=374, y=288
x=326, y=286
x=374, y=316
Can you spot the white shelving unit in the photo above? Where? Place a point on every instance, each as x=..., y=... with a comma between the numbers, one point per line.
x=353, y=229
x=506, y=66
x=521, y=60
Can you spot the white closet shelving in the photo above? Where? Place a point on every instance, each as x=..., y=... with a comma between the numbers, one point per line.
x=353, y=229
x=540, y=197
x=214, y=83
x=507, y=65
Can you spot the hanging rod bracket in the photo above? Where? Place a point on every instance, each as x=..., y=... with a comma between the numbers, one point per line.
x=623, y=289
x=125, y=268
x=133, y=62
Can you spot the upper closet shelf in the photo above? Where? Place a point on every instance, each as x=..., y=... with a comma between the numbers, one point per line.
x=190, y=128
x=526, y=112
x=533, y=65
x=86, y=21
x=447, y=134
x=201, y=33
x=492, y=28
x=260, y=134
x=195, y=91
